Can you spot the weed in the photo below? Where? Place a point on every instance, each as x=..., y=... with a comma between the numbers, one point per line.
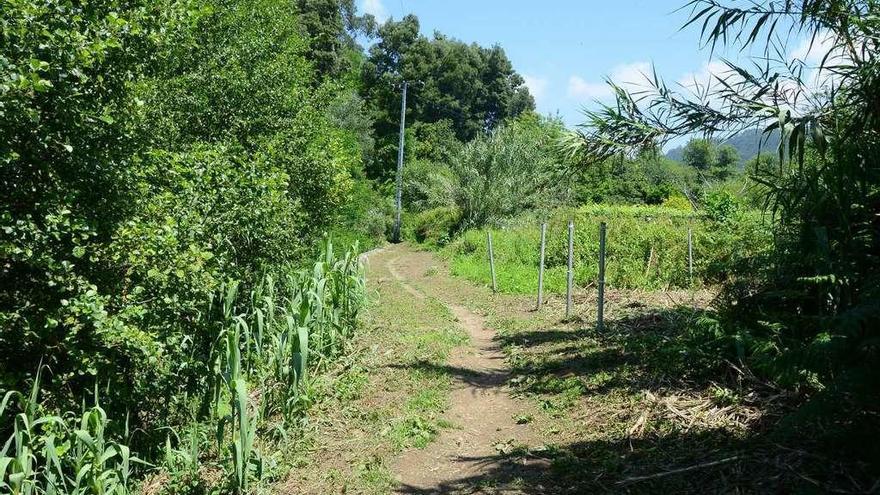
x=647, y=249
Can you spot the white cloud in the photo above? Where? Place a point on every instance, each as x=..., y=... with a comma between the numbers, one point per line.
x=629, y=76
x=812, y=51
x=537, y=86
x=376, y=8
x=707, y=76
x=582, y=90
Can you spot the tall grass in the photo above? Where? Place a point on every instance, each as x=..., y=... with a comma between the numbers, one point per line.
x=266, y=345
x=646, y=249
x=53, y=454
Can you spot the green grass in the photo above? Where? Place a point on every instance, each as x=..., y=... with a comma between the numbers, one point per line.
x=646, y=248
x=647, y=395
x=385, y=400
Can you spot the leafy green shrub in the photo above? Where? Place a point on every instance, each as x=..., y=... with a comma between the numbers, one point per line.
x=436, y=226
x=677, y=202
x=721, y=206
x=367, y=217
x=72, y=132
x=510, y=171
x=427, y=185
x=644, y=179
x=292, y=323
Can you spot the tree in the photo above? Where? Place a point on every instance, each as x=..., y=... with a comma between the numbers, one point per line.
x=726, y=163
x=472, y=87
x=700, y=154
x=330, y=27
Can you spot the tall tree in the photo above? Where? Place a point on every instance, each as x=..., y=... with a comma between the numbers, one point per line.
x=699, y=154
x=473, y=87
x=726, y=163
x=330, y=27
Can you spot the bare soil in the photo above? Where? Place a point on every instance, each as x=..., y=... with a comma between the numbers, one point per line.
x=531, y=403
x=487, y=420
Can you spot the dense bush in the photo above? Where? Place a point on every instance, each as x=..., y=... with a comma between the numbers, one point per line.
x=290, y=325
x=366, y=218
x=644, y=179
x=428, y=185
x=69, y=163
x=151, y=153
x=436, y=226
x=511, y=170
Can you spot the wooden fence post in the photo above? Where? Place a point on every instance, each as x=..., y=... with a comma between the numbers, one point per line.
x=570, y=269
x=541, y=266
x=691, y=256
x=600, y=318
x=492, y=262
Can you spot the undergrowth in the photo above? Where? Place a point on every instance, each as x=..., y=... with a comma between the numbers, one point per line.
x=646, y=248
x=254, y=369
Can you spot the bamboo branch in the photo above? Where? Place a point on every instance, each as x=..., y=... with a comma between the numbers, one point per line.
x=635, y=479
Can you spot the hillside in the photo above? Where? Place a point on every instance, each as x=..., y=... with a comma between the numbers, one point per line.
x=748, y=143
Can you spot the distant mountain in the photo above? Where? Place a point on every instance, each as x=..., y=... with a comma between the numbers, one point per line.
x=746, y=142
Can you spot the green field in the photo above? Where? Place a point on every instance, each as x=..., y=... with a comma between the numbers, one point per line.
x=646, y=248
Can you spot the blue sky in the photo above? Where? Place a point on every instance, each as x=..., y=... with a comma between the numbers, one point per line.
x=564, y=48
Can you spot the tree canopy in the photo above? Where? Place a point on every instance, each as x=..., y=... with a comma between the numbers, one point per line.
x=472, y=87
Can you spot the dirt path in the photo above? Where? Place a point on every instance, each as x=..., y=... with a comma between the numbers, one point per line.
x=487, y=422
x=450, y=389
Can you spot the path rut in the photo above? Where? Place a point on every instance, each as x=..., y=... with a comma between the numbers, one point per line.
x=481, y=408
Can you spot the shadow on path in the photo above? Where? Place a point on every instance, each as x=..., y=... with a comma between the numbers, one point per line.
x=661, y=354
x=483, y=379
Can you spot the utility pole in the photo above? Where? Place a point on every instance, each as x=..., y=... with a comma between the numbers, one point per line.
x=396, y=233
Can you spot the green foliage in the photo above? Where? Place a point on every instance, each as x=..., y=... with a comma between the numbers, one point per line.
x=243, y=173
x=264, y=340
x=646, y=179
x=150, y=153
x=726, y=163
x=68, y=126
x=757, y=193
x=472, y=88
x=646, y=249
x=56, y=454
x=228, y=78
x=509, y=171
x=721, y=206
x=807, y=319
x=700, y=154
x=436, y=226
x=711, y=160
x=329, y=26
x=677, y=202
x=428, y=185
x=349, y=112
x=435, y=141
x=366, y=218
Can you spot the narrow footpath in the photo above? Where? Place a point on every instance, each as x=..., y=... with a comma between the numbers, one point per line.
x=487, y=423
